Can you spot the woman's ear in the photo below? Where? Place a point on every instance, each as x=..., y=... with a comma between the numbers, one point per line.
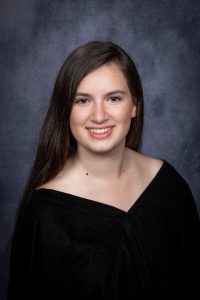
x=134, y=111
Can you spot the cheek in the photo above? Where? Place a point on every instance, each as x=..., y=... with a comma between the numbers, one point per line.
x=78, y=117
x=123, y=114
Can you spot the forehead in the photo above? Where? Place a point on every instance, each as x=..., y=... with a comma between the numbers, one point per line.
x=106, y=75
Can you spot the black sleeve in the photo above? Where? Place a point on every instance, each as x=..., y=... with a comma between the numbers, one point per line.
x=191, y=245
x=22, y=256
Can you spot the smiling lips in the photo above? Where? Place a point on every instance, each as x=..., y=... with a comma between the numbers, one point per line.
x=100, y=132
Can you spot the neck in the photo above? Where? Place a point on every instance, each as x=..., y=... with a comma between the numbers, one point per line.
x=107, y=166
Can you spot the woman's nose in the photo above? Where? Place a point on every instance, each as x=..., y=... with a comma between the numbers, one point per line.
x=99, y=114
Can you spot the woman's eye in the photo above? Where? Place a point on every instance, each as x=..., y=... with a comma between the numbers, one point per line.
x=81, y=101
x=115, y=99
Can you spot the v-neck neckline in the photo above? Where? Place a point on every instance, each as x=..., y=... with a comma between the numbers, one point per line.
x=83, y=202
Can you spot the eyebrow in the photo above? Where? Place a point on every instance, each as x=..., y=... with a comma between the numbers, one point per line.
x=107, y=94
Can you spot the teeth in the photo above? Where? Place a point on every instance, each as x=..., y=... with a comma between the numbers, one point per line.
x=103, y=130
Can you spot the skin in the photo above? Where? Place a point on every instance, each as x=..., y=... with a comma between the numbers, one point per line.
x=103, y=167
x=96, y=105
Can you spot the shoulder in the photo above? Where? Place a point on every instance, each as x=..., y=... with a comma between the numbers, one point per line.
x=169, y=178
x=147, y=163
x=38, y=203
x=145, y=166
x=170, y=188
x=43, y=208
x=62, y=181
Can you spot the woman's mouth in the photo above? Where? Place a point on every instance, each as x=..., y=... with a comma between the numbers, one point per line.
x=100, y=132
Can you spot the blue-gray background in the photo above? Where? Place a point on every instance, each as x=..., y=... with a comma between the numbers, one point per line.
x=163, y=37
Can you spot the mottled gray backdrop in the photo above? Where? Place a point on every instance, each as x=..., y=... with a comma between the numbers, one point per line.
x=163, y=37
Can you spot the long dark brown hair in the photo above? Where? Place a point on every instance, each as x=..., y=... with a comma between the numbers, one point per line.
x=56, y=143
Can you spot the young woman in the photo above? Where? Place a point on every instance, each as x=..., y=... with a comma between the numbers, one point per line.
x=98, y=219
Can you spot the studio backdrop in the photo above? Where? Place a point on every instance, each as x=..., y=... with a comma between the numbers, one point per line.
x=162, y=37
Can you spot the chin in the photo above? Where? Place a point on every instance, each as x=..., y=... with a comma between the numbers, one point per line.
x=105, y=149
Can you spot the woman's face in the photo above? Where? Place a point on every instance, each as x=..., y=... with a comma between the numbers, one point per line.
x=102, y=110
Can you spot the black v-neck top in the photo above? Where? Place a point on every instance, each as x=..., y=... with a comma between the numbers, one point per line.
x=69, y=247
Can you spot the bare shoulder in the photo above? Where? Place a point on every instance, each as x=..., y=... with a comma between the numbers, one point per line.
x=59, y=182
x=52, y=184
x=146, y=164
x=154, y=164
